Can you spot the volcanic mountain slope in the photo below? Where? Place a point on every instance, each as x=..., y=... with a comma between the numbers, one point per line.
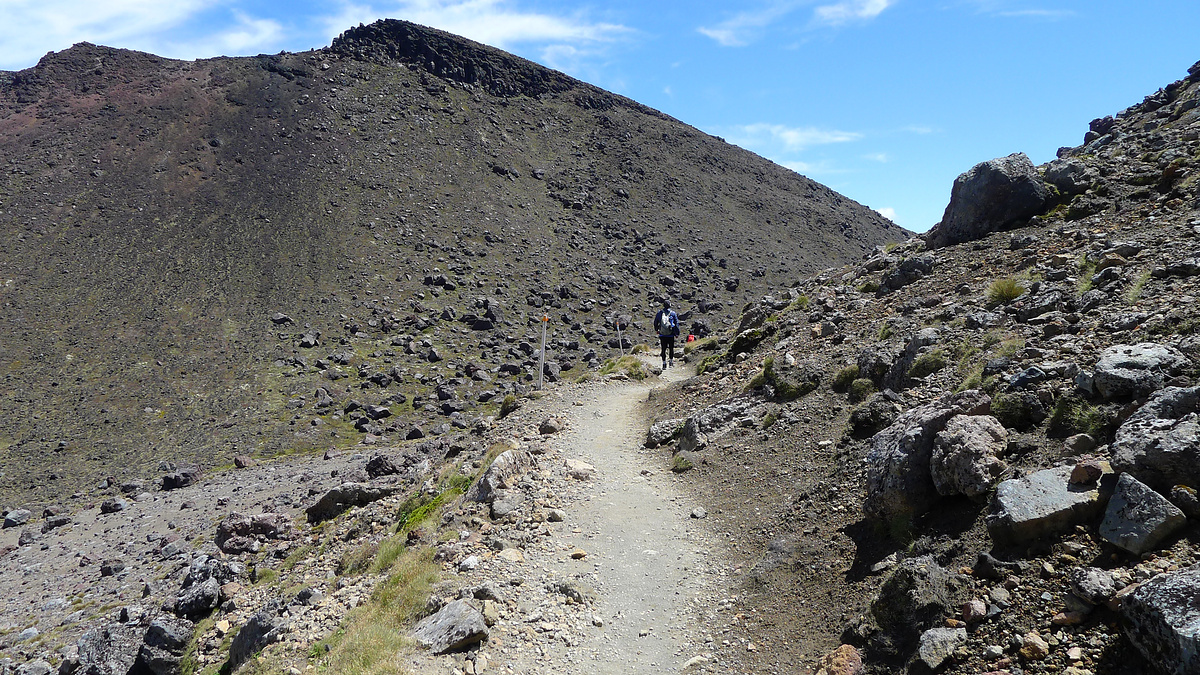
x=189, y=250
x=812, y=432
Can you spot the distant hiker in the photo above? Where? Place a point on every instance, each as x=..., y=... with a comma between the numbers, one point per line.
x=666, y=323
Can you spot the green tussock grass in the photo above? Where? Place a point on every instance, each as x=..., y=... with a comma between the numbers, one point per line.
x=630, y=365
x=1003, y=291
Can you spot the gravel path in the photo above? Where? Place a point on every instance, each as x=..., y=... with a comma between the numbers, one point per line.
x=651, y=563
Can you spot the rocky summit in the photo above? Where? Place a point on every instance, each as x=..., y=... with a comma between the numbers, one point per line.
x=279, y=254
x=277, y=322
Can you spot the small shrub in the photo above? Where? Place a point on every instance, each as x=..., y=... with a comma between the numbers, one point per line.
x=1074, y=415
x=1004, y=290
x=631, y=366
x=844, y=378
x=928, y=363
x=706, y=344
x=1010, y=346
x=509, y=405
x=886, y=330
x=642, y=348
x=1134, y=292
x=860, y=389
x=708, y=363
x=800, y=303
x=769, y=419
x=680, y=463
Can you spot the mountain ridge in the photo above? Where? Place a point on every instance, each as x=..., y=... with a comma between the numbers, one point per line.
x=178, y=205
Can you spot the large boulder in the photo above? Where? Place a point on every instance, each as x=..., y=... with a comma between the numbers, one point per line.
x=1160, y=443
x=455, y=626
x=503, y=474
x=917, y=596
x=164, y=645
x=899, y=482
x=992, y=196
x=1041, y=504
x=965, y=457
x=1138, y=519
x=268, y=625
x=344, y=497
x=239, y=533
x=1136, y=371
x=1162, y=619
x=110, y=649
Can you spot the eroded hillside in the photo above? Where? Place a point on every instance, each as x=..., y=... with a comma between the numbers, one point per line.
x=206, y=259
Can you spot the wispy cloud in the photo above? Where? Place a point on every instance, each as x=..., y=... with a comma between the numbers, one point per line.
x=887, y=212
x=741, y=28
x=32, y=27
x=791, y=139
x=1009, y=9
x=745, y=27
x=498, y=23
x=880, y=157
x=850, y=10
x=1047, y=14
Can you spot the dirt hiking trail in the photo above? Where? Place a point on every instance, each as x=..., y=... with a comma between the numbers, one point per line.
x=650, y=561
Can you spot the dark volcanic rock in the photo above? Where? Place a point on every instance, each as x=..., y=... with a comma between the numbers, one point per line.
x=991, y=196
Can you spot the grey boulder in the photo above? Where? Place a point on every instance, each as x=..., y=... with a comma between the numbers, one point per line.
x=965, y=455
x=1138, y=519
x=1162, y=621
x=267, y=625
x=344, y=497
x=937, y=644
x=455, y=626
x=1041, y=504
x=992, y=196
x=1160, y=443
x=899, y=482
x=1136, y=371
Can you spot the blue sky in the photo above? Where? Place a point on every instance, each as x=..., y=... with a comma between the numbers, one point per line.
x=886, y=101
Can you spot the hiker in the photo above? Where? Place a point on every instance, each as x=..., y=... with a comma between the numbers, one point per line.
x=666, y=323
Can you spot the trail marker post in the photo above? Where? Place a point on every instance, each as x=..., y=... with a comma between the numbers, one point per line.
x=542, y=360
x=620, y=340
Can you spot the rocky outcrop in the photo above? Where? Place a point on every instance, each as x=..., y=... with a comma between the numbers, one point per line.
x=455, y=626
x=899, y=482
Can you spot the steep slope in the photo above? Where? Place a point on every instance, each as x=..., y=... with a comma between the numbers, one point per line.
x=401, y=192
x=816, y=431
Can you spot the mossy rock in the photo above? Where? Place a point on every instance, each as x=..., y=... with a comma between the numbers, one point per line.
x=791, y=382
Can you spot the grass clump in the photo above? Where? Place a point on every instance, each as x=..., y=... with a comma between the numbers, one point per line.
x=928, y=363
x=800, y=303
x=357, y=560
x=509, y=405
x=845, y=377
x=680, y=463
x=708, y=363
x=1074, y=415
x=1134, y=292
x=707, y=344
x=1004, y=290
x=860, y=389
x=869, y=286
x=769, y=419
x=641, y=348
x=368, y=641
x=630, y=365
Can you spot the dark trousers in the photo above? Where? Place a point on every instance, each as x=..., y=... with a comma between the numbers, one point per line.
x=668, y=346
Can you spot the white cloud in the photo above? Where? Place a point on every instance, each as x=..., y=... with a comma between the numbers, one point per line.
x=32, y=27
x=741, y=28
x=494, y=22
x=247, y=36
x=792, y=139
x=850, y=10
x=887, y=212
x=919, y=129
x=880, y=157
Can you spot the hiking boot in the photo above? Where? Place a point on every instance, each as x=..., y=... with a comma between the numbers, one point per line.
x=672, y=363
x=664, y=365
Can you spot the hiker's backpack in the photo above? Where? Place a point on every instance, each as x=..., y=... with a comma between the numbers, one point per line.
x=668, y=323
